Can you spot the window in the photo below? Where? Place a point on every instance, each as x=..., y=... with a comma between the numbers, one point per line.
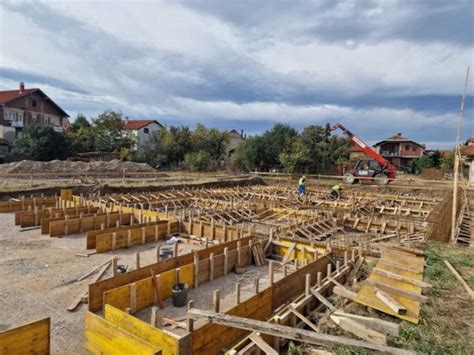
x=33, y=103
x=146, y=130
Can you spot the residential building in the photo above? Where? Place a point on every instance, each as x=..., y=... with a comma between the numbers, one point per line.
x=468, y=152
x=141, y=129
x=356, y=153
x=235, y=139
x=399, y=150
x=23, y=107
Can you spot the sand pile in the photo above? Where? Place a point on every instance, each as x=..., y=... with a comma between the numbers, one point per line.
x=65, y=166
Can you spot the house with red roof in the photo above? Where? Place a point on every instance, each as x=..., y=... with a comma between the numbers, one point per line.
x=141, y=129
x=23, y=107
x=468, y=153
x=399, y=150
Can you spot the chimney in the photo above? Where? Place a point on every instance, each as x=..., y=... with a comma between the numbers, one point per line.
x=126, y=119
x=242, y=133
x=22, y=87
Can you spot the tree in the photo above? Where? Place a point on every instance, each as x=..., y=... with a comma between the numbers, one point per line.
x=447, y=161
x=276, y=141
x=424, y=162
x=199, y=161
x=248, y=154
x=80, y=122
x=109, y=133
x=41, y=142
x=211, y=140
x=296, y=157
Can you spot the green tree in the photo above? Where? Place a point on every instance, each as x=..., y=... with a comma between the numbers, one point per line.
x=80, y=122
x=81, y=138
x=296, y=157
x=41, y=142
x=424, y=162
x=249, y=154
x=110, y=136
x=198, y=161
x=447, y=161
x=211, y=140
x=276, y=141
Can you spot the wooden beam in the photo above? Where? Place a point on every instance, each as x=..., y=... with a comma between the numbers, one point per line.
x=262, y=344
x=344, y=292
x=360, y=330
x=387, y=288
x=303, y=318
x=287, y=255
x=322, y=299
x=390, y=302
x=302, y=335
x=379, y=325
x=459, y=278
x=394, y=276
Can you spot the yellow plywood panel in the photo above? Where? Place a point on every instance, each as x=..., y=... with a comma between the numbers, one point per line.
x=103, y=337
x=366, y=294
x=281, y=250
x=32, y=338
x=66, y=194
x=118, y=297
x=168, y=342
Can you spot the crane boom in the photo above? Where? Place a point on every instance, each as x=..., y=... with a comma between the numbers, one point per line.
x=391, y=169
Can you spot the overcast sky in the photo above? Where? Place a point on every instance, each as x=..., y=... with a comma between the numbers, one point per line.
x=380, y=67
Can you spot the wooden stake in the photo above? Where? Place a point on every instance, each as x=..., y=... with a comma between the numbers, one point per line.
x=156, y=320
x=237, y=293
x=211, y=266
x=216, y=301
x=137, y=261
x=256, y=282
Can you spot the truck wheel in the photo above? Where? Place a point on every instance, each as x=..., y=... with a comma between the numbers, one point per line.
x=381, y=179
x=348, y=178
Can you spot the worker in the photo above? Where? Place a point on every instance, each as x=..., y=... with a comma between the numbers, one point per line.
x=301, y=186
x=336, y=191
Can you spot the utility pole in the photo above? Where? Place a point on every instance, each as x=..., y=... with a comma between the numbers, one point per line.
x=457, y=153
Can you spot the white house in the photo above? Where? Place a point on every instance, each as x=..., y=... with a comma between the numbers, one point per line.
x=141, y=129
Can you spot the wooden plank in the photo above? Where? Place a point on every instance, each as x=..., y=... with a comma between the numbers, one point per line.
x=262, y=344
x=278, y=330
x=288, y=253
x=374, y=323
x=32, y=338
x=303, y=319
x=322, y=299
x=344, y=292
x=402, y=278
x=359, y=330
x=460, y=279
x=168, y=342
x=396, y=291
x=390, y=302
x=103, y=337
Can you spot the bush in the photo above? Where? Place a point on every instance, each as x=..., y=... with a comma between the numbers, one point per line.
x=200, y=161
x=41, y=142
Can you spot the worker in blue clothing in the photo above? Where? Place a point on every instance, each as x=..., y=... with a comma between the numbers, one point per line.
x=301, y=186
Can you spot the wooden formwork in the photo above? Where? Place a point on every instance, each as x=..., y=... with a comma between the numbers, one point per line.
x=26, y=204
x=98, y=289
x=33, y=218
x=209, y=338
x=83, y=223
x=32, y=338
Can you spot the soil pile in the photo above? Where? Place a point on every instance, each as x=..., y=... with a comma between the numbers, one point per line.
x=65, y=166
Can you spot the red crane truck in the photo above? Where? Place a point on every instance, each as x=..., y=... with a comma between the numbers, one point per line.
x=378, y=169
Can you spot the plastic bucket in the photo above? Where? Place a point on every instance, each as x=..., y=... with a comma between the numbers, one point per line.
x=179, y=294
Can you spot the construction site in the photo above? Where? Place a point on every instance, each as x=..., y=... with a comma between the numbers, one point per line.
x=239, y=266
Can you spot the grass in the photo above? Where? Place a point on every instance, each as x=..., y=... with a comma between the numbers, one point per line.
x=447, y=320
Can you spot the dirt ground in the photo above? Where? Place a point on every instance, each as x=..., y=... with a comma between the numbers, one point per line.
x=38, y=279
